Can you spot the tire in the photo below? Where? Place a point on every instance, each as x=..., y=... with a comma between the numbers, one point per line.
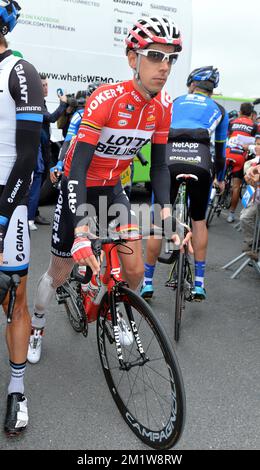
x=179, y=300
x=210, y=214
x=74, y=306
x=149, y=388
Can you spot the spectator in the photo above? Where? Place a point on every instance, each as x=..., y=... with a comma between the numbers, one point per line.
x=44, y=158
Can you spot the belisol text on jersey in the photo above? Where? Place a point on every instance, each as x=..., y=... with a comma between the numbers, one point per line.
x=123, y=145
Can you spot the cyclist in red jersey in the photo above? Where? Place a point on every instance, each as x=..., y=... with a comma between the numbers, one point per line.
x=243, y=126
x=118, y=120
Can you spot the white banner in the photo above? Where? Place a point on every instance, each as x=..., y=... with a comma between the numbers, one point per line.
x=76, y=42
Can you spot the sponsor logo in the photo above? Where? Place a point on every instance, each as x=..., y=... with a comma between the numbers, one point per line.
x=151, y=118
x=129, y=2
x=242, y=127
x=122, y=106
x=104, y=96
x=20, y=257
x=72, y=197
x=122, y=122
x=56, y=220
x=19, y=240
x=136, y=96
x=163, y=7
x=15, y=191
x=121, y=146
x=130, y=107
x=185, y=145
x=150, y=126
x=125, y=115
x=29, y=108
x=185, y=159
x=22, y=81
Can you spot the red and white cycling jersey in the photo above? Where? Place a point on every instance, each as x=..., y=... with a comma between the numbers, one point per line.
x=119, y=122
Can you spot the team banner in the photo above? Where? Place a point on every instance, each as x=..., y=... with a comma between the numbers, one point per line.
x=76, y=42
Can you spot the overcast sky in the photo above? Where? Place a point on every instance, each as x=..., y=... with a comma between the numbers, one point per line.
x=226, y=34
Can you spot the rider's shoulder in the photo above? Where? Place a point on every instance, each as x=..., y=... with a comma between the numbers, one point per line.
x=165, y=99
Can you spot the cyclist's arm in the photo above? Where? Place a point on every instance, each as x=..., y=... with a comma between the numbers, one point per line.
x=159, y=174
x=220, y=145
x=81, y=160
x=72, y=132
x=28, y=127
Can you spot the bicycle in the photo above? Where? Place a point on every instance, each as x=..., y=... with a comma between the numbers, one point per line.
x=181, y=275
x=144, y=377
x=217, y=200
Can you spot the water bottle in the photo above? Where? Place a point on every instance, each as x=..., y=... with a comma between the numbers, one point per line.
x=257, y=194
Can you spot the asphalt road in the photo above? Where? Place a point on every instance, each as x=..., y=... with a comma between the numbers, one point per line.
x=69, y=402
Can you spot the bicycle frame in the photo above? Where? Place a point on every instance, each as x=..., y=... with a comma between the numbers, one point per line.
x=110, y=283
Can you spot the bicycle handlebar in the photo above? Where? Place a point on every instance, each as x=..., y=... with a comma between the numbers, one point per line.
x=141, y=158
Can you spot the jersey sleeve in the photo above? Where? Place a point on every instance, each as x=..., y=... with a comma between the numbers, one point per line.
x=26, y=90
x=74, y=125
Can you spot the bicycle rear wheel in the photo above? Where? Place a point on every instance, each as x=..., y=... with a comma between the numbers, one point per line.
x=149, y=393
x=179, y=300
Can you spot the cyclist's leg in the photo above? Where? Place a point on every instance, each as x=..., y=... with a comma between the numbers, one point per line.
x=154, y=245
x=16, y=261
x=198, y=193
x=237, y=177
x=126, y=222
x=61, y=264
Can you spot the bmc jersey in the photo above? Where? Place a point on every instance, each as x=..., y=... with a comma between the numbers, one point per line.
x=242, y=126
x=119, y=122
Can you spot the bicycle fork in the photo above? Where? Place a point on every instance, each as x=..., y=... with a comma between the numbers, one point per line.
x=124, y=365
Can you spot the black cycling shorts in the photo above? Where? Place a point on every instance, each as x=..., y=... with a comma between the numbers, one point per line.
x=194, y=158
x=106, y=206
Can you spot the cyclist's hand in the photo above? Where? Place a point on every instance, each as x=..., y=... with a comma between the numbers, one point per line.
x=83, y=255
x=220, y=185
x=186, y=241
x=56, y=171
x=3, y=230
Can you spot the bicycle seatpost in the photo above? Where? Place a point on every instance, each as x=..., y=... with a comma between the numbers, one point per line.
x=15, y=281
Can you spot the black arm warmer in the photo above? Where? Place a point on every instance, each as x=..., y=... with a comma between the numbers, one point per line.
x=27, y=146
x=81, y=160
x=160, y=175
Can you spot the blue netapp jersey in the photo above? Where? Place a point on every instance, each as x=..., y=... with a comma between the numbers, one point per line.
x=74, y=125
x=197, y=117
x=198, y=111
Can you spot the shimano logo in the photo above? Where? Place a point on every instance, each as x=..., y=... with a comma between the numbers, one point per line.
x=23, y=83
x=15, y=191
x=163, y=7
x=72, y=195
x=185, y=145
x=19, y=236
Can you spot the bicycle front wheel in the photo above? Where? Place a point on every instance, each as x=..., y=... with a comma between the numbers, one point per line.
x=149, y=392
